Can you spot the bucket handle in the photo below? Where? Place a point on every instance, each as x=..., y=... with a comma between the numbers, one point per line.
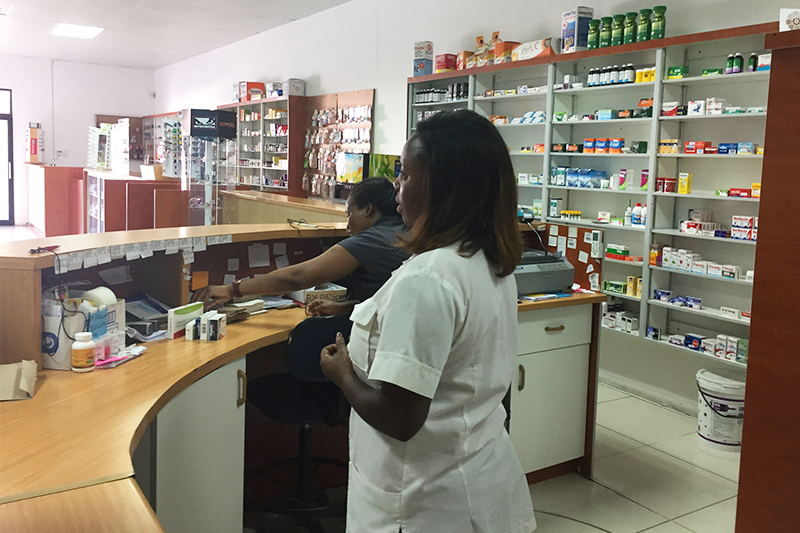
x=703, y=396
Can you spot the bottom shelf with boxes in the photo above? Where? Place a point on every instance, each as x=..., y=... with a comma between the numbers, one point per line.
x=725, y=347
x=614, y=317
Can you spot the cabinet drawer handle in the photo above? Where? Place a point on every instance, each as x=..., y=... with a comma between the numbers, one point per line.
x=240, y=401
x=521, y=378
x=553, y=329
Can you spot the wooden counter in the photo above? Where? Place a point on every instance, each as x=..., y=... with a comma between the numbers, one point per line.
x=248, y=207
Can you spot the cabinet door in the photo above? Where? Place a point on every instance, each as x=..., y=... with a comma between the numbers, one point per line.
x=200, y=456
x=548, y=416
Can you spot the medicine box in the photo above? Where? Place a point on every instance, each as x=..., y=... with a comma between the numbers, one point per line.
x=764, y=61
x=742, y=234
x=423, y=67
x=693, y=341
x=502, y=52
x=742, y=347
x=462, y=59
x=700, y=267
x=675, y=73
x=730, y=271
x=575, y=29
x=423, y=50
x=445, y=63
x=251, y=90
x=325, y=291
x=731, y=348
x=662, y=295
x=694, y=303
x=631, y=288
x=722, y=346
x=669, y=109
x=709, y=346
x=755, y=190
x=746, y=149
x=653, y=333
x=714, y=269
x=529, y=50
x=217, y=326
x=588, y=146
x=616, y=145
x=293, y=87
x=638, y=287
x=696, y=107
x=522, y=179
x=677, y=340
x=600, y=146
x=656, y=254
x=178, y=317
x=739, y=221
x=731, y=312
x=685, y=183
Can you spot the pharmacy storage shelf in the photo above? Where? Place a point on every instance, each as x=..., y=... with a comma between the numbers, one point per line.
x=530, y=125
x=621, y=332
x=637, y=264
x=604, y=191
x=529, y=186
x=743, y=157
x=517, y=152
x=726, y=116
x=508, y=97
x=621, y=156
x=720, y=359
x=678, y=233
x=623, y=296
x=704, y=276
x=715, y=314
x=436, y=104
x=707, y=196
x=623, y=87
x=743, y=77
x=588, y=223
x=618, y=121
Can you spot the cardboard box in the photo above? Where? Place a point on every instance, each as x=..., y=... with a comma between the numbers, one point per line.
x=764, y=61
x=721, y=346
x=293, y=87
x=423, y=50
x=423, y=67
x=325, y=291
x=741, y=234
x=709, y=346
x=696, y=107
x=731, y=348
x=251, y=90
x=462, y=58
x=714, y=269
x=730, y=271
x=685, y=183
x=502, y=52
x=178, y=317
x=669, y=109
x=542, y=47
x=445, y=63
x=575, y=29
x=742, y=347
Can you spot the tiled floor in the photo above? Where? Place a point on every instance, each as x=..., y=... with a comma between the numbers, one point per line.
x=649, y=476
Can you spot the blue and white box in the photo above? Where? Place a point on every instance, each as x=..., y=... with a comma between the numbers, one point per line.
x=575, y=29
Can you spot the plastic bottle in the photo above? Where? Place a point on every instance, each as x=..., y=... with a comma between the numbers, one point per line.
x=659, y=22
x=631, y=73
x=645, y=25
x=639, y=76
x=618, y=30
x=636, y=219
x=729, y=64
x=644, y=215
x=628, y=215
x=614, y=75
x=83, y=352
x=593, y=40
x=752, y=62
x=629, y=32
x=738, y=63
x=605, y=31
x=590, y=78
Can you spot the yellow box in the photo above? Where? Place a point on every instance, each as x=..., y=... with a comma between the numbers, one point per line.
x=631, y=289
x=685, y=183
x=755, y=190
x=638, y=287
x=759, y=150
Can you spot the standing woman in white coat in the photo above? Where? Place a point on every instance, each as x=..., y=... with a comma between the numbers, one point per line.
x=431, y=354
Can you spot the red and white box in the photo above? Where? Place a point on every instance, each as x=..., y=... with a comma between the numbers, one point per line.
x=739, y=221
x=742, y=234
x=444, y=63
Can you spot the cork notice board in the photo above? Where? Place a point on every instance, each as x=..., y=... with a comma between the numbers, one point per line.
x=576, y=244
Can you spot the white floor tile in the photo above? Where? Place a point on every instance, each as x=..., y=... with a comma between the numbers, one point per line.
x=643, y=421
x=662, y=483
x=606, y=393
x=719, y=518
x=608, y=443
x=576, y=497
x=725, y=464
x=554, y=524
x=668, y=527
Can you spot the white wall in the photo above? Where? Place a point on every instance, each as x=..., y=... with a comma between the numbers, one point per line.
x=65, y=97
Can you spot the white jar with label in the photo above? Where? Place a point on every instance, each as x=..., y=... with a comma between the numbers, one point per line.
x=83, y=352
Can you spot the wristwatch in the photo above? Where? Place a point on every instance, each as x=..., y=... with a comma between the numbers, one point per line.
x=237, y=292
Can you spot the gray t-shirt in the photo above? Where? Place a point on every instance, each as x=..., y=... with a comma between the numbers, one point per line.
x=377, y=251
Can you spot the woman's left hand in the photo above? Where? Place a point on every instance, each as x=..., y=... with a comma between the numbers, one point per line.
x=335, y=360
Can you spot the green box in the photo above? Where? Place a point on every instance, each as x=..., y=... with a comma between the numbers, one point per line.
x=742, y=347
x=712, y=72
x=676, y=73
x=618, y=287
x=612, y=249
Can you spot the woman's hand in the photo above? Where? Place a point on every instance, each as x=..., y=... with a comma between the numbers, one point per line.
x=218, y=294
x=335, y=361
x=327, y=308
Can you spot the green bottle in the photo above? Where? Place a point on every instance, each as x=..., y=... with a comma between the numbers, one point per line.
x=618, y=30
x=659, y=22
x=630, y=27
x=605, y=31
x=593, y=40
x=645, y=25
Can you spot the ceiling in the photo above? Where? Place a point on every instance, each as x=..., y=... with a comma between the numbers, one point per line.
x=142, y=33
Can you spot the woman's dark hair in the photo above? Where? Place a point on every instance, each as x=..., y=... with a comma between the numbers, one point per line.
x=376, y=191
x=470, y=190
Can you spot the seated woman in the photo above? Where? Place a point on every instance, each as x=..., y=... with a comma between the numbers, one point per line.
x=368, y=257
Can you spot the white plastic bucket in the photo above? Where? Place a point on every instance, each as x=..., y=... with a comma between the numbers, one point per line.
x=720, y=412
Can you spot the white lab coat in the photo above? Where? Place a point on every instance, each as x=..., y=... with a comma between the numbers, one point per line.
x=443, y=326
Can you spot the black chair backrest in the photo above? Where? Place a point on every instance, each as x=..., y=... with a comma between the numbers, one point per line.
x=308, y=339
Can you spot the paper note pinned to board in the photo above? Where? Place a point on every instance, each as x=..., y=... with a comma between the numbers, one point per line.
x=89, y=258
x=158, y=246
x=589, y=269
x=186, y=244
x=583, y=257
x=103, y=255
x=213, y=239
x=587, y=237
x=188, y=257
x=199, y=244
x=594, y=281
x=573, y=232
x=552, y=241
x=562, y=245
x=233, y=264
x=572, y=244
x=172, y=247
x=281, y=261
x=258, y=255
x=279, y=248
x=553, y=229
x=75, y=261
x=229, y=278
x=226, y=239
x=116, y=275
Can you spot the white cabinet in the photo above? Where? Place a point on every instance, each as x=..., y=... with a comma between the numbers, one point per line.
x=199, y=437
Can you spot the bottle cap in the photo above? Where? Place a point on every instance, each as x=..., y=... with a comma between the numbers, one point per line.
x=84, y=336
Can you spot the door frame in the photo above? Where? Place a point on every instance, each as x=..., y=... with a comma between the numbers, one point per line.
x=9, y=118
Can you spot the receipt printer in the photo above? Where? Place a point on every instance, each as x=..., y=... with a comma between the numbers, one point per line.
x=539, y=272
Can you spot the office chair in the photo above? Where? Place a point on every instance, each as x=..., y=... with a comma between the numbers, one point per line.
x=303, y=397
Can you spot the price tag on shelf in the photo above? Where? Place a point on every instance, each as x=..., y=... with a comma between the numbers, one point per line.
x=75, y=261
x=103, y=255
x=214, y=239
x=132, y=251
x=199, y=244
x=117, y=251
x=173, y=245
x=145, y=249
x=89, y=258
x=186, y=244
x=158, y=246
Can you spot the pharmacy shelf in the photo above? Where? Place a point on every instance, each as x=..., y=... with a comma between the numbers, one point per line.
x=276, y=119
x=742, y=77
x=696, y=352
x=517, y=152
x=587, y=189
x=587, y=223
x=622, y=87
x=275, y=136
x=623, y=296
x=707, y=196
x=529, y=125
x=620, y=331
x=282, y=169
x=725, y=116
x=436, y=104
x=678, y=233
x=529, y=186
x=620, y=261
x=715, y=314
x=711, y=156
x=526, y=96
x=581, y=154
x=704, y=276
x=647, y=120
